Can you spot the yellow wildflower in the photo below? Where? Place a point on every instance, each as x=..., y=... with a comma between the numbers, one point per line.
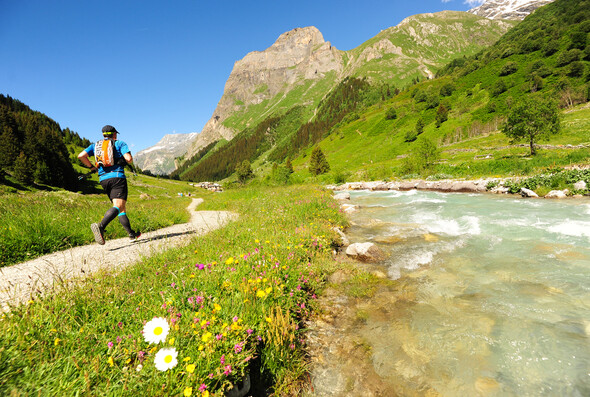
x=186, y=359
x=190, y=368
x=57, y=340
x=171, y=341
x=205, y=338
x=229, y=260
x=260, y=294
x=188, y=392
x=110, y=361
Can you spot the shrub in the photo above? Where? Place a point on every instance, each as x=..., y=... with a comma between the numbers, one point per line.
x=447, y=89
x=578, y=40
x=498, y=87
x=576, y=69
x=508, y=68
x=567, y=57
x=244, y=171
x=391, y=114
x=551, y=47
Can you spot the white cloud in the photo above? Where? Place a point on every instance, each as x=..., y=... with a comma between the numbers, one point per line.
x=446, y=1
x=474, y=3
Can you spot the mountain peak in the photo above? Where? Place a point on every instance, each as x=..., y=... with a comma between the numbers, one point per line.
x=508, y=9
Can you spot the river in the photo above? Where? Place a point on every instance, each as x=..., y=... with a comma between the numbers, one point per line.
x=500, y=301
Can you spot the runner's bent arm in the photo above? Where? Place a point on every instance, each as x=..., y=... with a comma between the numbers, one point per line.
x=84, y=158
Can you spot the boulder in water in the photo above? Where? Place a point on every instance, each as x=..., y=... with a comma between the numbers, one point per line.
x=524, y=192
x=366, y=252
x=556, y=194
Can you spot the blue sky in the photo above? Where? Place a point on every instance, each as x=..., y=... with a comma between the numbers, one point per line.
x=152, y=68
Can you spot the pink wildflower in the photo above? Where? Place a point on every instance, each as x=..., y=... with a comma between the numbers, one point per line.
x=110, y=344
x=203, y=387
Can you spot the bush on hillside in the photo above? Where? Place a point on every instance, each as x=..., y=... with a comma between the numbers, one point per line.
x=508, y=68
x=567, y=57
x=391, y=114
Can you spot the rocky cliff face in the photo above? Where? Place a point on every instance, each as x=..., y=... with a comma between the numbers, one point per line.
x=159, y=159
x=508, y=9
x=296, y=56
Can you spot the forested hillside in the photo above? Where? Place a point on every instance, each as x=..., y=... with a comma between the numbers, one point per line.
x=34, y=147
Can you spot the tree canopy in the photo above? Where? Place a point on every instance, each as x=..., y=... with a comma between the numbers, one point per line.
x=532, y=118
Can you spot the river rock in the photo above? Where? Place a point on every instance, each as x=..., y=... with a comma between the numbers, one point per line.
x=408, y=185
x=349, y=208
x=381, y=186
x=342, y=196
x=556, y=194
x=343, y=237
x=486, y=386
x=500, y=190
x=366, y=252
x=524, y=192
x=580, y=185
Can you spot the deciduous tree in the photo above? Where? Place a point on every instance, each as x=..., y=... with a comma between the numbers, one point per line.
x=531, y=119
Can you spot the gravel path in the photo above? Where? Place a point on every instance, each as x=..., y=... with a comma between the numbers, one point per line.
x=19, y=282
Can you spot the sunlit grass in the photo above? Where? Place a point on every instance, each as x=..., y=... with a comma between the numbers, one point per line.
x=38, y=223
x=235, y=296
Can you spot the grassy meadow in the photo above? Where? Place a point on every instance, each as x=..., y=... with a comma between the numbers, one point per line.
x=235, y=301
x=352, y=154
x=41, y=222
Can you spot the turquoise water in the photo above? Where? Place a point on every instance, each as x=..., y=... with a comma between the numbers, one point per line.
x=500, y=292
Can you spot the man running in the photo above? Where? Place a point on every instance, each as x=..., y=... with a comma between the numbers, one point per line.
x=111, y=156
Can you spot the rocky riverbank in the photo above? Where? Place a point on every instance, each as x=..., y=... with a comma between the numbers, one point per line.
x=486, y=185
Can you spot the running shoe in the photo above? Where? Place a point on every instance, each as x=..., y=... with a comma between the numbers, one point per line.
x=98, y=233
x=135, y=235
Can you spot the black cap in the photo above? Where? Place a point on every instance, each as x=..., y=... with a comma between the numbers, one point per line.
x=108, y=130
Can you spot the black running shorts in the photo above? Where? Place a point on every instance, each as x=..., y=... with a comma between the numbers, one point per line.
x=115, y=188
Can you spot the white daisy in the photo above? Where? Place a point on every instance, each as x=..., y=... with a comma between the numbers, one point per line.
x=156, y=330
x=166, y=359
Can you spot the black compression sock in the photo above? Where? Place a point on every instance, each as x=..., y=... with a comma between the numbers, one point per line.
x=109, y=216
x=125, y=223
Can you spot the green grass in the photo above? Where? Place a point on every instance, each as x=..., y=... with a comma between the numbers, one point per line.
x=41, y=222
x=235, y=299
x=372, y=147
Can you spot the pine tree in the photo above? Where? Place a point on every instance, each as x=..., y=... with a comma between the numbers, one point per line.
x=289, y=165
x=317, y=163
x=22, y=169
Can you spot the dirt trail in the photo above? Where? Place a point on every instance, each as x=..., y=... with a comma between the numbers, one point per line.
x=19, y=282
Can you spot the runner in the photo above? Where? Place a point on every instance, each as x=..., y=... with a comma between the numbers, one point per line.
x=111, y=157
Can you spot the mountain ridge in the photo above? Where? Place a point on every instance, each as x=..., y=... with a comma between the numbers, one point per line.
x=508, y=9
x=160, y=158
x=263, y=84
